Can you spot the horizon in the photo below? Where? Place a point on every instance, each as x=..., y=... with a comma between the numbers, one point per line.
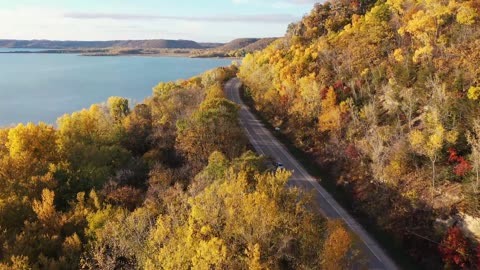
x=217, y=21
x=180, y=39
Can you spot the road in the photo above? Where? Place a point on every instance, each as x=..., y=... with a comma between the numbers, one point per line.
x=266, y=144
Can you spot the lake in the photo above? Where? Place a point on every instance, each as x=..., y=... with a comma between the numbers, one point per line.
x=20, y=50
x=42, y=87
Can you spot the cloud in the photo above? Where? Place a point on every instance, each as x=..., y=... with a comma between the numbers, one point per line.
x=259, y=18
x=279, y=2
x=52, y=23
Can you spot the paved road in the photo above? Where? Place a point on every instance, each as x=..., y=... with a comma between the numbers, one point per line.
x=265, y=143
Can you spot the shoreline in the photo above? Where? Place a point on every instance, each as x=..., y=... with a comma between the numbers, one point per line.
x=100, y=53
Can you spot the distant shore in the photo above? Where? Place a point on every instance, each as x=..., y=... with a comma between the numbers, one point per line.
x=194, y=53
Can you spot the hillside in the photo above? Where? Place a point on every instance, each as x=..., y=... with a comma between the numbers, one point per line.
x=382, y=97
x=133, y=44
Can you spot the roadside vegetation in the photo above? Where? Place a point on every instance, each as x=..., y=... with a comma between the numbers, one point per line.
x=383, y=95
x=166, y=184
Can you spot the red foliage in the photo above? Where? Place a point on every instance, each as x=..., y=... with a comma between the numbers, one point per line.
x=351, y=151
x=462, y=166
x=453, y=155
x=455, y=248
x=323, y=92
x=284, y=100
x=338, y=85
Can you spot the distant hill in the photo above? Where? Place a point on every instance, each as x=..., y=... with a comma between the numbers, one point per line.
x=259, y=44
x=136, y=44
x=237, y=47
x=208, y=45
x=237, y=44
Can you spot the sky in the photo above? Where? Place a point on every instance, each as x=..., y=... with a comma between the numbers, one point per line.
x=201, y=20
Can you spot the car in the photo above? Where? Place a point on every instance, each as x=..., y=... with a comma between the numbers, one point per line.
x=280, y=166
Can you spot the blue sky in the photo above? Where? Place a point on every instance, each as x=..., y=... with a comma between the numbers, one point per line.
x=202, y=20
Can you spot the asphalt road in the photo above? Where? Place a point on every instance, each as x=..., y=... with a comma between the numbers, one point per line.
x=266, y=144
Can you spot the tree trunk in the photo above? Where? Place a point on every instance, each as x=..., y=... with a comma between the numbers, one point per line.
x=476, y=187
x=433, y=177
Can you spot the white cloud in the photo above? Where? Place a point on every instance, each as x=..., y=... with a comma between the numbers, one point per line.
x=258, y=18
x=53, y=24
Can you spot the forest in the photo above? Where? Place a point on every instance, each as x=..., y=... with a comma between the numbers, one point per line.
x=384, y=97
x=168, y=184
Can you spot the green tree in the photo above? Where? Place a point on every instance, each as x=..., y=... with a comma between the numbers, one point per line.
x=118, y=107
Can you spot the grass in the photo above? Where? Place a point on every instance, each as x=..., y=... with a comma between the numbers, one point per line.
x=396, y=252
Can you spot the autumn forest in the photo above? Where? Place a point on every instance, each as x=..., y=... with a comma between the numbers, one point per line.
x=381, y=96
x=384, y=96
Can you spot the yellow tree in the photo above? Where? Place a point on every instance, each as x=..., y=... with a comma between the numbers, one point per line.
x=32, y=149
x=330, y=118
x=425, y=24
x=336, y=247
x=307, y=104
x=430, y=141
x=45, y=209
x=33, y=143
x=239, y=221
x=467, y=14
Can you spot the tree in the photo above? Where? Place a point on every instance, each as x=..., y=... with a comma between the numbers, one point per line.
x=118, y=107
x=337, y=250
x=163, y=88
x=473, y=138
x=17, y=263
x=45, y=209
x=473, y=92
x=455, y=248
x=212, y=128
x=31, y=149
x=138, y=127
x=467, y=14
x=90, y=142
x=430, y=141
x=330, y=118
x=216, y=168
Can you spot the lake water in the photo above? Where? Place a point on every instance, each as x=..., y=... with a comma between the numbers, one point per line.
x=42, y=87
x=19, y=50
